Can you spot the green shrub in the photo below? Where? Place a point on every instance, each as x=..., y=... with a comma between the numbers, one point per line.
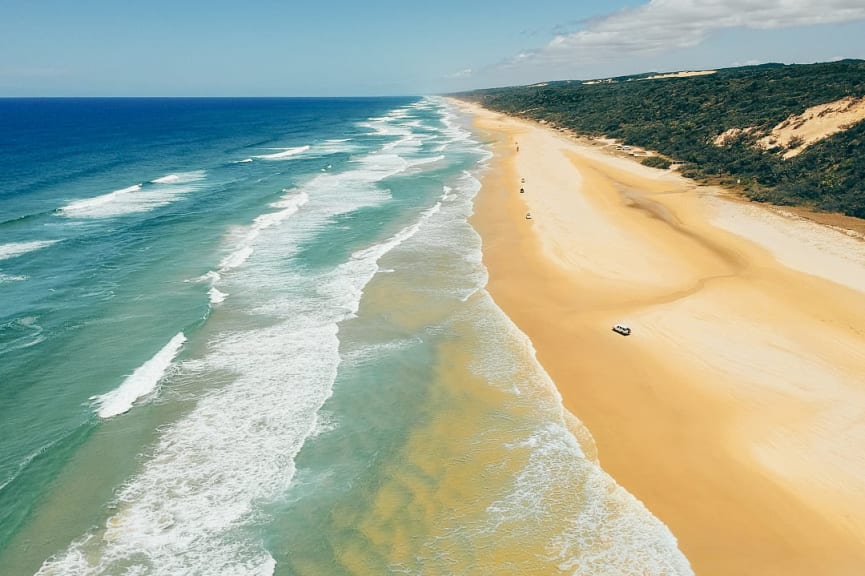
x=656, y=162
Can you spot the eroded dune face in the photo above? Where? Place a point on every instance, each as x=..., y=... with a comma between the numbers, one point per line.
x=792, y=136
x=814, y=124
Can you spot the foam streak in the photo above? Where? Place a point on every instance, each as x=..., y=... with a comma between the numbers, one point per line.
x=13, y=249
x=141, y=382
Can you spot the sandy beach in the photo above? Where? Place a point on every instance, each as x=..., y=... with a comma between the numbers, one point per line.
x=736, y=409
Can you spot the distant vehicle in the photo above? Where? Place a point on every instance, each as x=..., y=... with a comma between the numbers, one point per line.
x=522, y=180
x=622, y=329
x=522, y=190
x=528, y=215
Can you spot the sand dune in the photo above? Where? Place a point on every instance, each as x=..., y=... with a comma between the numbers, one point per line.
x=736, y=409
x=683, y=74
x=816, y=123
x=792, y=136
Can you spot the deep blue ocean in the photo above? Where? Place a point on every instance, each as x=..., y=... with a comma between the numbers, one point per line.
x=251, y=336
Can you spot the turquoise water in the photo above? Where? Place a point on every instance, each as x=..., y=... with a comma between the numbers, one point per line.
x=252, y=337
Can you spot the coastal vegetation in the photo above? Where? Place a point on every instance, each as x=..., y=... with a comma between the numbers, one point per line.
x=717, y=126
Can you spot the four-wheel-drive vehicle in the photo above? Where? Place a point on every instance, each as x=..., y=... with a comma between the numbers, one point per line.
x=622, y=329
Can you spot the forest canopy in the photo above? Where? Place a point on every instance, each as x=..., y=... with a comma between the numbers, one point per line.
x=681, y=118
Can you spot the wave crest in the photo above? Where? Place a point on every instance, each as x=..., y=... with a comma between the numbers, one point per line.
x=285, y=153
x=14, y=249
x=141, y=382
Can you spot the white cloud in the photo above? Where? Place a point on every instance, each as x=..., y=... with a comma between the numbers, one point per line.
x=465, y=73
x=663, y=25
x=748, y=63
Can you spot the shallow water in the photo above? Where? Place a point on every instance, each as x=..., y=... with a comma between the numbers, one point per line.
x=257, y=341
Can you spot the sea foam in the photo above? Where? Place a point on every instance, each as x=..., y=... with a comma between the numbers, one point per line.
x=336, y=146
x=284, y=153
x=11, y=278
x=91, y=205
x=189, y=508
x=141, y=382
x=14, y=249
x=216, y=296
x=181, y=177
x=244, y=239
x=237, y=447
x=133, y=199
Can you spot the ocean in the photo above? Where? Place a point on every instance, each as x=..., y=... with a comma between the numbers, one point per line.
x=251, y=336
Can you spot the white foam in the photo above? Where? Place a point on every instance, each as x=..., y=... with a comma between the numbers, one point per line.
x=453, y=132
x=336, y=146
x=606, y=531
x=141, y=382
x=422, y=161
x=236, y=258
x=384, y=127
x=182, y=513
x=454, y=242
x=14, y=249
x=134, y=199
x=356, y=189
x=97, y=201
x=244, y=240
x=284, y=153
x=409, y=142
x=244, y=161
x=216, y=296
x=189, y=508
x=211, y=277
x=11, y=278
x=181, y=177
x=363, y=264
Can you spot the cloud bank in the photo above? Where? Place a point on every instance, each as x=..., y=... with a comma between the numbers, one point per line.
x=663, y=25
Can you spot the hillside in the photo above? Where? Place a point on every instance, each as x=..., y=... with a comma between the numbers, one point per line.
x=787, y=134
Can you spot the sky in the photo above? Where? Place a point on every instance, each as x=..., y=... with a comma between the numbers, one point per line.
x=396, y=47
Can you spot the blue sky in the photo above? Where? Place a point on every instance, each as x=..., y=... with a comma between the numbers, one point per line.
x=379, y=47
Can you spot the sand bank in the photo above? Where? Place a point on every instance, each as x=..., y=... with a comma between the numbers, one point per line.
x=736, y=409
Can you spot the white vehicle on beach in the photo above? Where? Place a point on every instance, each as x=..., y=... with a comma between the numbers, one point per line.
x=528, y=215
x=622, y=329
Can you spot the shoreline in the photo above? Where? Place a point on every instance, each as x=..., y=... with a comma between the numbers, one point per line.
x=734, y=411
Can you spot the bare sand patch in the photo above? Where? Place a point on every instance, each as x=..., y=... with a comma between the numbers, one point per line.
x=816, y=123
x=682, y=74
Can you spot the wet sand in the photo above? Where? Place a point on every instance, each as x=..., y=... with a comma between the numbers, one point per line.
x=736, y=409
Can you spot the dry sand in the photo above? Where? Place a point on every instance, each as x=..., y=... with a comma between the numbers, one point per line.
x=814, y=124
x=736, y=409
x=683, y=74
